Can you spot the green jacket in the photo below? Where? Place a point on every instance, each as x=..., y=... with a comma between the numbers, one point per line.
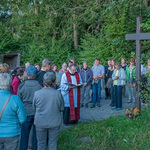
x=128, y=73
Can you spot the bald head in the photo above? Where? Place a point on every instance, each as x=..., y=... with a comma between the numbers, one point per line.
x=27, y=65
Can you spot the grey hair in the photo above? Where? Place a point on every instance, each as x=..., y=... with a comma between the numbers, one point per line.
x=32, y=76
x=118, y=64
x=45, y=62
x=85, y=63
x=49, y=78
x=5, y=81
x=27, y=64
x=72, y=65
x=64, y=63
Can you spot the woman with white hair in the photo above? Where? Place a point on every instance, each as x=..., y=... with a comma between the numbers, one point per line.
x=12, y=115
x=48, y=105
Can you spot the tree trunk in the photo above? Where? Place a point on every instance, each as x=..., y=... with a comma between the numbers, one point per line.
x=75, y=34
x=36, y=7
x=146, y=3
x=36, y=11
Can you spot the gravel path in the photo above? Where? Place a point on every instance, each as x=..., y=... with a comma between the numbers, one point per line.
x=100, y=113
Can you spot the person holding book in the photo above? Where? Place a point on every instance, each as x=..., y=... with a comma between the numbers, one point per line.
x=71, y=95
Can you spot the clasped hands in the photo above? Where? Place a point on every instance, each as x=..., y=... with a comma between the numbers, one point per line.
x=96, y=77
x=116, y=78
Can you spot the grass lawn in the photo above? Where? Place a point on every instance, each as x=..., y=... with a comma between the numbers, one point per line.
x=115, y=133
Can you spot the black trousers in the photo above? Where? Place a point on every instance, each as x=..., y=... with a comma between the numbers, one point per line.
x=107, y=91
x=66, y=116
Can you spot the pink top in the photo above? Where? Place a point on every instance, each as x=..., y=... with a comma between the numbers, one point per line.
x=15, y=83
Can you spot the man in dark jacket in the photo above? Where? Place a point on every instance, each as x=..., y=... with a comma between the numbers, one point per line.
x=86, y=76
x=46, y=65
x=26, y=92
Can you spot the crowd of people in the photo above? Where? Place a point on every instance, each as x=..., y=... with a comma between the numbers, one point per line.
x=34, y=102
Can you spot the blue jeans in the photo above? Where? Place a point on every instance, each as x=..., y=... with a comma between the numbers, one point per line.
x=112, y=95
x=25, y=131
x=97, y=92
x=118, y=96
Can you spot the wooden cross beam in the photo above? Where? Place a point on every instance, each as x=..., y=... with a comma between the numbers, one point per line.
x=138, y=36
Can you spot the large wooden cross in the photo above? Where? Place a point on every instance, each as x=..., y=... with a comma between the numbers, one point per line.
x=138, y=36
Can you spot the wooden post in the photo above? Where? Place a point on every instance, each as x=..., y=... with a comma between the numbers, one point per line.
x=138, y=64
x=138, y=36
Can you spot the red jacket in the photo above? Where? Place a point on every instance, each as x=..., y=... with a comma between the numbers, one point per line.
x=15, y=83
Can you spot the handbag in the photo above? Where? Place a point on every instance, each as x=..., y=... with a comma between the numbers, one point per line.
x=109, y=83
x=4, y=106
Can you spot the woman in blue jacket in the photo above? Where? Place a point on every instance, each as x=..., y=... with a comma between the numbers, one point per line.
x=12, y=117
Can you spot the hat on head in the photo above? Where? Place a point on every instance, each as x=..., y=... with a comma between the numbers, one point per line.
x=32, y=70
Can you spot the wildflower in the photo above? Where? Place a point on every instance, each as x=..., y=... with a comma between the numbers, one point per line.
x=131, y=115
x=133, y=112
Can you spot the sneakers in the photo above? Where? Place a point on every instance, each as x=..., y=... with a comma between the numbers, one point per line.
x=98, y=105
x=113, y=107
x=92, y=106
x=116, y=108
x=129, y=101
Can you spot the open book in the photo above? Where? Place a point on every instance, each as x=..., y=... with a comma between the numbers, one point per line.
x=70, y=84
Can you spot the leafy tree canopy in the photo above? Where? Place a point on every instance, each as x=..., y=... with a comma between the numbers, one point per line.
x=45, y=28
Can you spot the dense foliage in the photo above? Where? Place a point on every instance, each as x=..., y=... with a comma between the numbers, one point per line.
x=49, y=28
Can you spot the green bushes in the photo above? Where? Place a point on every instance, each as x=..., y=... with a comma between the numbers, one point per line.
x=45, y=29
